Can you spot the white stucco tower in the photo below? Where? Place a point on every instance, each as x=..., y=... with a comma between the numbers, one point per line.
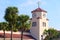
x=39, y=23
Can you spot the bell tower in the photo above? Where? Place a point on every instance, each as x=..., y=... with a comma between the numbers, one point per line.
x=39, y=23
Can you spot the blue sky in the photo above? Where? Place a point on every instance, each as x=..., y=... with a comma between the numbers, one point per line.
x=26, y=6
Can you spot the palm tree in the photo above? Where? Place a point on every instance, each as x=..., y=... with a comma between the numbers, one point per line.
x=24, y=23
x=3, y=26
x=11, y=17
x=0, y=25
x=51, y=33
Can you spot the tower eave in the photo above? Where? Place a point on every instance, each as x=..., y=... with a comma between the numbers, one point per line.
x=38, y=10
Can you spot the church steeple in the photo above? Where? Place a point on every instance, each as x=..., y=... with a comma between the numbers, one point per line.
x=39, y=23
x=39, y=9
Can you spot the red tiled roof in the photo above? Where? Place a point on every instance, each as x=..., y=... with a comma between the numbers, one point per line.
x=39, y=10
x=7, y=35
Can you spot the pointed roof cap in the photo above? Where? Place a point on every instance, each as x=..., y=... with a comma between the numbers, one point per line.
x=39, y=10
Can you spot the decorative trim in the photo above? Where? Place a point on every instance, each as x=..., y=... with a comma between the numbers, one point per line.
x=39, y=18
x=47, y=19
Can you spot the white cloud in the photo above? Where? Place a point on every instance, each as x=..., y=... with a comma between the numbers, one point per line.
x=39, y=0
x=32, y=2
x=28, y=3
x=43, y=3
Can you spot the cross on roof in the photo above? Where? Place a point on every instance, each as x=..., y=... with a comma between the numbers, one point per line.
x=38, y=4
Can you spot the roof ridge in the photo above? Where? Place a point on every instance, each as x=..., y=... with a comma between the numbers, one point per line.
x=39, y=10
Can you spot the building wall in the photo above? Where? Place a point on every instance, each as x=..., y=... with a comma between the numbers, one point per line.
x=37, y=31
x=41, y=27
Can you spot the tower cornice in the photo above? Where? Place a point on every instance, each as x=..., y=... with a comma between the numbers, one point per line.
x=38, y=10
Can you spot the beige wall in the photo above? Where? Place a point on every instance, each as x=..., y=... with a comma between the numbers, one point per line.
x=39, y=29
x=35, y=30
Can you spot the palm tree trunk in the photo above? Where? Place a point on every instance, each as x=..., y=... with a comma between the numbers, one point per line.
x=21, y=35
x=4, y=34
x=11, y=32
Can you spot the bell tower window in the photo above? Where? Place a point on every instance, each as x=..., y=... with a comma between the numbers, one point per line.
x=41, y=37
x=33, y=15
x=34, y=23
x=44, y=24
x=44, y=15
